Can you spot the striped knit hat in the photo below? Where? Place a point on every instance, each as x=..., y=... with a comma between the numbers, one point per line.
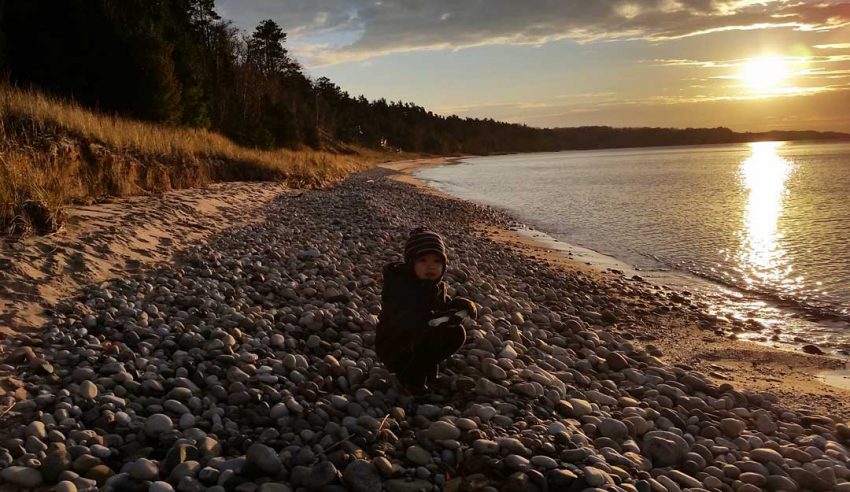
x=421, y=242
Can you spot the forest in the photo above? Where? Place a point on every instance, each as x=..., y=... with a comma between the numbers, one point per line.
x=178, y=62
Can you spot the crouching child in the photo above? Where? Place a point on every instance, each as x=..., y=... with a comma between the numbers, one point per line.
x=419, y=325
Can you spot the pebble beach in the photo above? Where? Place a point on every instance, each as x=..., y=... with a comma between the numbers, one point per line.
x=246, y=363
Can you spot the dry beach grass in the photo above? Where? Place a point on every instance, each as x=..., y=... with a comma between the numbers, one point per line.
x=54, y=152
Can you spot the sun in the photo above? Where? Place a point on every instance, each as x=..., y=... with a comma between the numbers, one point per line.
x=764, y=73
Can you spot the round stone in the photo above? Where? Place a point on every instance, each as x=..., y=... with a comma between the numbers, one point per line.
x=485, y=446
x=144, y=469
x=65, y=486
x=157, y=424
x=187, y=421
x=560, y=479
x=362, y=476
x=580, y=407
x=263, y=460
x=732, y=427
x=664, y=448
x=756, y=479
x=616, y=361
x=686, y=480
x=37, y=429
x=383, y=465
x=515, y=462
x=21, y=476
x=418, y=455
x=711, y=482
x=596, y=477
x=208, y=475
x=465, y=424
x=613, y=428
x=161, y=487
x=485, y=412
x=88, y=390
x=186, y=469
x=175, y=406
x=57, y=461
x=442, y=431
x=544, y=462
x=556, y=428
x=767, y=455
x=99, y=473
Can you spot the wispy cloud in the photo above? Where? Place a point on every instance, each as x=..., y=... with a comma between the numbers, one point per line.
x=553, y=109
x=835, y=46
x=738, y=62
x=778, y=92
x=366, y=28
x=730, y=79
x=586, y=95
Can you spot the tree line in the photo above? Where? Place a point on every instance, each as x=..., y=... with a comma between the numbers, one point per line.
x=178, y=62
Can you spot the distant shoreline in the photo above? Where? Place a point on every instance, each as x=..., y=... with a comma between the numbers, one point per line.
x=837, y=140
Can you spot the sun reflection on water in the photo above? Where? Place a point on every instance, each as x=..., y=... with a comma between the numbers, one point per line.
x=761, y=258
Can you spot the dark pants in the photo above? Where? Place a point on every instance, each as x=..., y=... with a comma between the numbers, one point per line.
x=417, y=364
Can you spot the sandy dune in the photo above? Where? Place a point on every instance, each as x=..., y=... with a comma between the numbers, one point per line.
x=112, y=239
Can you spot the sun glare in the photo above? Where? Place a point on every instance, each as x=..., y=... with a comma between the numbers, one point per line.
x=765, y=73
x=764, y=175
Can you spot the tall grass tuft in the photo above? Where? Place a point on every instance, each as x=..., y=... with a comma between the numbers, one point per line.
x=53, y=153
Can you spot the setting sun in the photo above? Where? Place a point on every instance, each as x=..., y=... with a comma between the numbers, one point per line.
x=764, y=73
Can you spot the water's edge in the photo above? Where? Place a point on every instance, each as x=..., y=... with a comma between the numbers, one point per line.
x=756, y=316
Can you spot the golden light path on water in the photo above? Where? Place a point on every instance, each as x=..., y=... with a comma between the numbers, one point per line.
x=761, y=258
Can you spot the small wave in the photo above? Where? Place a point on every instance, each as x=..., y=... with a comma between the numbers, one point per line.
x=798, y=306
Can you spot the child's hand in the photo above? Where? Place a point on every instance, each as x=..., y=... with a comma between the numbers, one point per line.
x=465, y=304
x=449, y=319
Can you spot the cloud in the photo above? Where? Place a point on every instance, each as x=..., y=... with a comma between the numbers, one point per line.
x=794, y=108
x=836, y=46
x=728, y=79
x=367, y=28
x=738, y=62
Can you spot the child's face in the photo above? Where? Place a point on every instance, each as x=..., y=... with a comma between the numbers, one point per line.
x=428, y=267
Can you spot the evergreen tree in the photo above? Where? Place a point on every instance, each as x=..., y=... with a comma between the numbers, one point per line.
x=178, y=62
x=266, y=51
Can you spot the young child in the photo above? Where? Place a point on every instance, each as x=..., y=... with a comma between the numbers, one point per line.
x=419, y=325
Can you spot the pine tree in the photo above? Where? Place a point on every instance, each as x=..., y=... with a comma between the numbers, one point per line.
x=266, y=51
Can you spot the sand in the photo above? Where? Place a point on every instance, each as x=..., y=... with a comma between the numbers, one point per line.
x=115, y=239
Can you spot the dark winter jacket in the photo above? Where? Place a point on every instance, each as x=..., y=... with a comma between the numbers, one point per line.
x=408, y=303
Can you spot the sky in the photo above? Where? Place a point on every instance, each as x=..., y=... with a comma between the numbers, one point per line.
x=747, y=65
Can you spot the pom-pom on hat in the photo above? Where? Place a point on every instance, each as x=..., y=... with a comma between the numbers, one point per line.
x=421, y=242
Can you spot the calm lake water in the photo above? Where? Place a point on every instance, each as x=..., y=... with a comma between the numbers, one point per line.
x=770, y=220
